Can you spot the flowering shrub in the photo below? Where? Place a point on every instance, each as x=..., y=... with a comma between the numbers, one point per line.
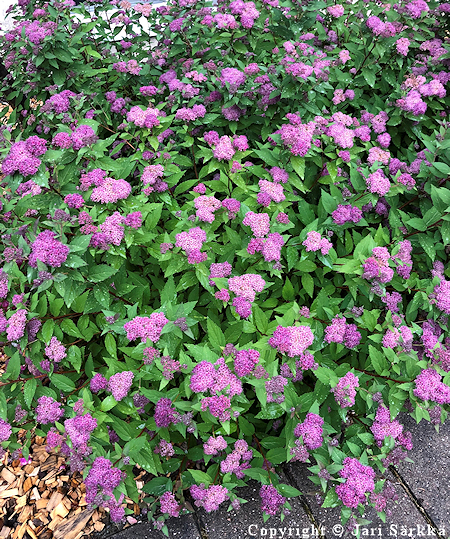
x=225, y=237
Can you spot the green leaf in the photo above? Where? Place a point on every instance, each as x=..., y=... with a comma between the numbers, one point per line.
x=201, y=477
x=329, y=203
x=47, y=330
x=331, y=499
x=267, y=156
x=110, y=345
x=74, y=357
x=298, y=164
x=308, y=284
x=108, y=403
x=442, y=167
x=147, y=460
x=13, y=368
x=378, y=360
x=62, y=382
x=158, y=486
x=154, y=214
x=215, y=335
x=101, y=273
x=29, y=389
x=445, y=232
x=69, y=327
x=271, y=411
x=287, y=490
x=369, y=76
x=428, y=245
x=260, y=319
x=276, y=455
x=288, y=291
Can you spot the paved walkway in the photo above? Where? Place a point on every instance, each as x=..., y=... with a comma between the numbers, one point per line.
x=423, y=509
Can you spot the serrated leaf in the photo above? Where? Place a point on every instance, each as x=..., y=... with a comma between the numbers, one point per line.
x=101, y=273
x=428, y=245
x=215, y=335
x=201, y=477
x=29, y=389
x=62, y=382
x=68, y=326
x=377, y=359
x=287, y=490
x=110, y=345
x=108, y=403
x=308, y=284
x=288, y=291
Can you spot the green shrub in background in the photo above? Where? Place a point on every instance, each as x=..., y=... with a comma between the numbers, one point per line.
x=225, y=237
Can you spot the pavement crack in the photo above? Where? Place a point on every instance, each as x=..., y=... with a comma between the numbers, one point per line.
x=200, y=526
x=416, y=501
x=305, y=504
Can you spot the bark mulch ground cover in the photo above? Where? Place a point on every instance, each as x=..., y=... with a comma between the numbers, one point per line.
x=40, y=499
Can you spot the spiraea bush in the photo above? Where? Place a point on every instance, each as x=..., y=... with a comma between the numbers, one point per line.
x=225, y=236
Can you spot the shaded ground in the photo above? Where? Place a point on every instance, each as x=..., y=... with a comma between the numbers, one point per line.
x=423, y=509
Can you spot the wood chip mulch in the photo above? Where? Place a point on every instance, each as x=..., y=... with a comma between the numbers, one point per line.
x=41, y=500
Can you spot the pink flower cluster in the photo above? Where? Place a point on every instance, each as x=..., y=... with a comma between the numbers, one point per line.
x=206, y=206
x=15, y=326
x=165, y=413
x=144, y=118
x=83, y=136
x=442, y=291
x=144, y=327
x=398, y=337
x=191, y=242
x=382, y=427
x=345, y=390
x=309, y=435
x=209, y=498
x=270, y=247
x=298, y=137
x=100, y=483
x=214, y=445
x=378, y=183
x=238, y=460
x=23, y=156
x=245, y=361
x=258, y=222
x=48, y=250
x=151, y=177
x=314, y=242
x=169, y=505
x=346, y=214
x=131, y=67
x=271, y=500
x=377, y=266
x=111, y=191
x=292, y=340
x=429, y=387
x=341, y=332
x=215, y=377
x=359, y=481
x=190, y=115
x=403, y=259
x=55, y=350
x=219, y=270
x=120, y=383
x=270, y=192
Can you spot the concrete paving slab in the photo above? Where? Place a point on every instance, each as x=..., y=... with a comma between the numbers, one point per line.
x=429, y=475
x=183, y=527
x=247, y=522
x=404, y=520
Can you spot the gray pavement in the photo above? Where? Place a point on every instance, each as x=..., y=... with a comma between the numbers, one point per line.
x=423, y=508
x=429, y=476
